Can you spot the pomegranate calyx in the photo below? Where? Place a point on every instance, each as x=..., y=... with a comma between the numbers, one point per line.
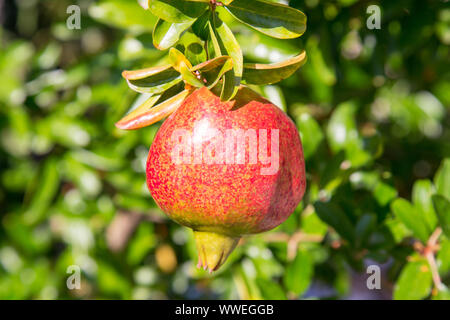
x=213, y=249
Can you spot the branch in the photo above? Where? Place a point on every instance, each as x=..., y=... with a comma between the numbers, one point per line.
x=428, y=252
x=292, y=240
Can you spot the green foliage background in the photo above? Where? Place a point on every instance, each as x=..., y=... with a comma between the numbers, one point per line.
x=372, y=107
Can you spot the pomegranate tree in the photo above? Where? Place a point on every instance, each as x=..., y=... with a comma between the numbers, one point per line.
x=226, y=162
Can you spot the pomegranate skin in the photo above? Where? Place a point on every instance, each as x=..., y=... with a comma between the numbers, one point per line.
x=232, y=199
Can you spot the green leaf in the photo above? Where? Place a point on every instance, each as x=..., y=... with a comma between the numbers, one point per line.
x=230, y=47
x=152, y=80
x=364, y=227
x=341, y=129
x=442, y=208
x=342, y=134
x=311, y=224
x=189, y=77
x=177, y=11
x=421, y=197
x=166, y=34
x=212, y=70
x=411, y=218
x=443, y=294
x=363, y=150
x=43, y=197
x=384, y=193
x=276, y=20
x=443, y=256
x=299, y=273
x=213, y=43
x=124, y=14
x=192, y=47
x=332, y=215
x=414, y=282
x=201, y=26
x=260, y=74
x=176, y=57
x=151, y=111
x=442, y=179
x=270, y=290
x=310, y=133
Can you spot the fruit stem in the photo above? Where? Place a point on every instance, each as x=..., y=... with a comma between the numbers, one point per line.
x=213, y=249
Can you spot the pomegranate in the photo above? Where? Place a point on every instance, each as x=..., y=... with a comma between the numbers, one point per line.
x=226, y=169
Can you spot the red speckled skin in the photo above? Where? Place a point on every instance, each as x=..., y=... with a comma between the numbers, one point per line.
x=232, y=199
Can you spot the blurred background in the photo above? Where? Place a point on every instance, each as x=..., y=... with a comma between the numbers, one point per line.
x=372, y=108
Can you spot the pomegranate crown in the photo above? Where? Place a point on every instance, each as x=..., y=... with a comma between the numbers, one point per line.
x=205, y=53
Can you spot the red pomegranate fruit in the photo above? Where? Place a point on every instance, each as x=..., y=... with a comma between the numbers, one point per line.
x=226, y=169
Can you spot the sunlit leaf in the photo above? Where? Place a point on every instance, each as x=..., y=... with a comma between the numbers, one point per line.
x=411, y=218
x=230, y=47
x=260, y=74
x=298, y=274
x=212, y=70
x=176, y=11
x=176, y=57
x=166, y=34
x=124, y=14
x=150, y=114
x=414, y=282
x=189, y=77
x=152, y=80
x=273, y=19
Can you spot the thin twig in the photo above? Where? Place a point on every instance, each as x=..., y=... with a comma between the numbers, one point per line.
x=428, y=252
x=292, y=240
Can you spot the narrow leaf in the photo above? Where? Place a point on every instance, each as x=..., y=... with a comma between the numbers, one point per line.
x=42, y=198
x=144, y=73
x=152, y=80
x=177, y=11
x=166, y=34
x=275, y=20
x=212, y=70
x=176, y=58
x=148, y=115
x=143, y=108
x=229, y=46
x=189, y=77
x=213, y=42
x=260, y=74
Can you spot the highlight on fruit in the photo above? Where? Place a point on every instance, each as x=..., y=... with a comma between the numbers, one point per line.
x=226, y=162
